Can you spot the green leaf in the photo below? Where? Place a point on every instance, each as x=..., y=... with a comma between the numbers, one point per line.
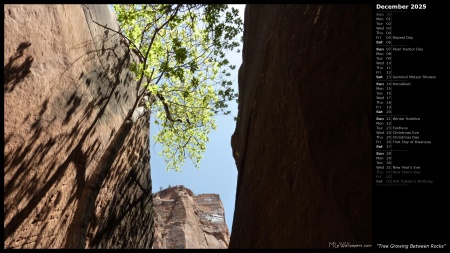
x=188, y=53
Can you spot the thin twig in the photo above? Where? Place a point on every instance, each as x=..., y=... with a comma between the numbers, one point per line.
x=119, y=33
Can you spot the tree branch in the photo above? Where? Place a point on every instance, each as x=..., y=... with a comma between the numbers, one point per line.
x=166, y=108
x=119, y=33
x=153, y=39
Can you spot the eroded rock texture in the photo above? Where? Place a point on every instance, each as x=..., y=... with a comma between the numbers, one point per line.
x=302, y=142
x=67, y=91
x=184, y=220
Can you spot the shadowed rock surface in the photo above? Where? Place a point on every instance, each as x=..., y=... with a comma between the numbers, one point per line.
x=67, y=90
x=302, y=142
x=184, y=220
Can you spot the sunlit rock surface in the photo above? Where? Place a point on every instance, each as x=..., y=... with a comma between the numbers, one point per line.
x=185, y=220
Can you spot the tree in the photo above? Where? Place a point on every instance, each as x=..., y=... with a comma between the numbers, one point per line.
x=183, y=66
x=181, y=77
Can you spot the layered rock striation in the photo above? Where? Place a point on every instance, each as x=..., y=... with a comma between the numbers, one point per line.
x=184, y=220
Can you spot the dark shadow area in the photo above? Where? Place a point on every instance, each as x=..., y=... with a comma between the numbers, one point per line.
x=130, y=204
x=35, y=152
x=313, y=63
x=75, y=102
x=14, y=71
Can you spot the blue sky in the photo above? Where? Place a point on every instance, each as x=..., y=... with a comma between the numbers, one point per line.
x=218, y=173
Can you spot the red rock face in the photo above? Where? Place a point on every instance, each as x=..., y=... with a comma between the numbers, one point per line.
x=184, y=220
x=302, y=143
x=67, y=90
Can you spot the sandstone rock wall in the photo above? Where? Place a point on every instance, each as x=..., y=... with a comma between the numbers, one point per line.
x=67, y=90
x=302, y=143
x=184, y=220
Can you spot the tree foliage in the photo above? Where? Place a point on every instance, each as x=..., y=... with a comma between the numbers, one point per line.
x=183, y=65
